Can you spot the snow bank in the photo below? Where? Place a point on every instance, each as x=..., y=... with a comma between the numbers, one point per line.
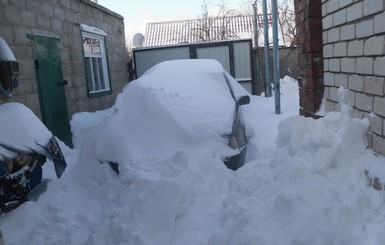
x=81, y=122
x=312, y=190
x=305, y=184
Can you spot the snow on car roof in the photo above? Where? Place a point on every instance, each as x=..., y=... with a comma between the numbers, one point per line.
x=191, y=88
x=21, y=129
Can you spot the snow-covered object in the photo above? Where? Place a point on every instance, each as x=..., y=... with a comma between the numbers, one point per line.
x=5, y=52
x=21, y=129
x=305, y=184
x=186, y=104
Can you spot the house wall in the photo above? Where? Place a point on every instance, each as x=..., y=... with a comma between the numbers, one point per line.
x=309, y=38
x=62, y=19
x=354, y=58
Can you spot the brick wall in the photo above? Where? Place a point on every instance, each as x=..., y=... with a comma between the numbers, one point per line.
x=354, y=57
x=62, y=19
x=309, y=39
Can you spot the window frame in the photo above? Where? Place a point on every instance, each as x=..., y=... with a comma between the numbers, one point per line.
x=101, y=36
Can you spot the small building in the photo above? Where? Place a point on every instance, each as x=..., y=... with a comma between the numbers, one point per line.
x=235, y=57
x=72, y=57
x=341, y=44
x=228, y=39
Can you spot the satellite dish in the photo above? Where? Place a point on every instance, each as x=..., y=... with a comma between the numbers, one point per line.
x=138, y=40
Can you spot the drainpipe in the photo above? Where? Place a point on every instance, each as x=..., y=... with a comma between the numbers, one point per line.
x=267, y=55
x=275, y=57
x=256, y=44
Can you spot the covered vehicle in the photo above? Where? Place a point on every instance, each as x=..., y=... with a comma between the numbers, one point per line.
x=25, y=144
x=189, y=106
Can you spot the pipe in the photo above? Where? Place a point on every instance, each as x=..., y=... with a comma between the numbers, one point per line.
x=256, y=45
x=275, y=57
x=267, y=55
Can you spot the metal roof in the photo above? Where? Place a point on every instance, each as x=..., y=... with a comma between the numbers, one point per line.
x=201, y=30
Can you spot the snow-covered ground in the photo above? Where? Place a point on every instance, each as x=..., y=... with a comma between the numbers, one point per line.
x=304, y=183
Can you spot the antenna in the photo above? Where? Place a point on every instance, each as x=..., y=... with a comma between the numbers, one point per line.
x=138, y=40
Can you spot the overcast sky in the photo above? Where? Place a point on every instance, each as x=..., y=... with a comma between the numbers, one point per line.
x=137, y=13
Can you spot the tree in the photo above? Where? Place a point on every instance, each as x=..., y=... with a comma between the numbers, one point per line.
x=287, y=21
x=286, y=18
x=213, y=27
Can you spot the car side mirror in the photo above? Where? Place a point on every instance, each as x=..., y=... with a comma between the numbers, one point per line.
x=243, y=100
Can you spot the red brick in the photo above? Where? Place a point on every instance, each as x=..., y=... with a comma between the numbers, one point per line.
x=314, y=46
x=313, y=58
x=300, y=28
x=301, y=38
x=299, y=5
x=314, y=10
x=310, y=60
x=314, y=94
x=308, y=114
x=312, y=83
x=302, y=103
x=300, y=83
x=314, y=3
x=314, y=34
x=300, y=16
x=314, y=23
x=303, y=47
x=314, y=70
x=310, y=105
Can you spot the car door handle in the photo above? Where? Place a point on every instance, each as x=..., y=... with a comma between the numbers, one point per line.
x=63, y=83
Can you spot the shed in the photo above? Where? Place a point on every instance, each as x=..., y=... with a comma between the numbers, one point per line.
x=72, y=57
x=235, y=56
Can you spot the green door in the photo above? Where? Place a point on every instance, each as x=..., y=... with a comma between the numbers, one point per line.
x=50, y=82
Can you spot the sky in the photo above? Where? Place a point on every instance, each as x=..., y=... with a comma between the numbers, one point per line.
x=137, y=13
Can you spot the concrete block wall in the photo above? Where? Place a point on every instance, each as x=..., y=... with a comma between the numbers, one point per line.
x=354, y=57
x=287, y=63
x=62, y=19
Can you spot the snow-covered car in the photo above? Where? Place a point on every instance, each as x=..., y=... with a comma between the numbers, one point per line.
x=25, y=144
x=190, y=106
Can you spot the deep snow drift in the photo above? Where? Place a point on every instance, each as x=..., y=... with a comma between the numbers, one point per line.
x=304, y=184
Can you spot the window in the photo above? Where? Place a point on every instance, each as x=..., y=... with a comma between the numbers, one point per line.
x=95, y=61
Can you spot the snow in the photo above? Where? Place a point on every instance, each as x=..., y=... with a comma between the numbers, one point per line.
x=92, y=29
x=304, y=183
x=5, y=52
x=16, y=122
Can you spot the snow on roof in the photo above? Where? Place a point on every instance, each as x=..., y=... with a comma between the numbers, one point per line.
x=5, y=52
x=92, y=29
x=201, y=30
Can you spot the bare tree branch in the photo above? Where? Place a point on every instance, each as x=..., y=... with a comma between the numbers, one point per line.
x=215, y=27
